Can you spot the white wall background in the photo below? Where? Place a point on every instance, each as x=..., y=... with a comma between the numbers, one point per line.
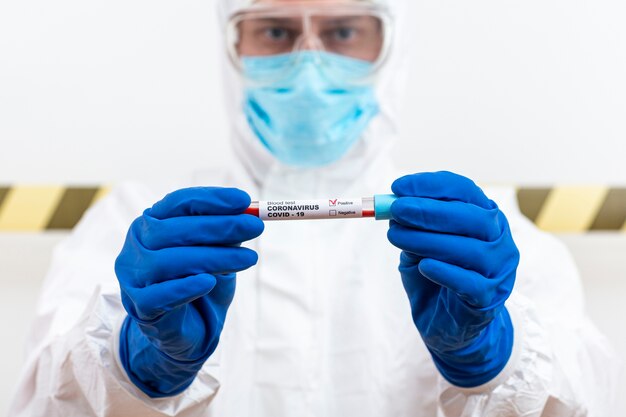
x=528, y=92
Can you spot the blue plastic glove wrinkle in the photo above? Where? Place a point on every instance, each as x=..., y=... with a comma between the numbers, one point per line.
x=458, y=267
x=177, y=278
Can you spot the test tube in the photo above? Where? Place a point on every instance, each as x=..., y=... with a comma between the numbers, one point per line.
x=377, y=207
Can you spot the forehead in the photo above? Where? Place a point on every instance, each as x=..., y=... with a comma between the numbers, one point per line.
x=300, y=7
x=308, y=2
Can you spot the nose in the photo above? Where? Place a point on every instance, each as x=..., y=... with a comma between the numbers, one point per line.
x=310, y=42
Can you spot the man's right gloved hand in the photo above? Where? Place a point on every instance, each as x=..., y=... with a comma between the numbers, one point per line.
x=177, y=277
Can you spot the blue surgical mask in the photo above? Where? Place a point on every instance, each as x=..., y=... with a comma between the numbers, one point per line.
x=311, y=115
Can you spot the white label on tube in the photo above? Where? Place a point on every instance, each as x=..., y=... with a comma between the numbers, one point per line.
x=338, y=208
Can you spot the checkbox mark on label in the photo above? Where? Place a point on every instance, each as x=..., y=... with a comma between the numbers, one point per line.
x=333, y=202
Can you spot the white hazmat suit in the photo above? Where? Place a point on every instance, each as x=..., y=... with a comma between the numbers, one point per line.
x=321, y=326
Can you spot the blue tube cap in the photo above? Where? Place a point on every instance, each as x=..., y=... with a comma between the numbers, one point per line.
x=382, y=205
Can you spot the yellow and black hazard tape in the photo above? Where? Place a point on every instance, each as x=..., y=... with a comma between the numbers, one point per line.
x=559, y=209
x=38, y=208
x=575, y=209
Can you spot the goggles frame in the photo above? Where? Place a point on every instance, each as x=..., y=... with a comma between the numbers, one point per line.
x=305, y=11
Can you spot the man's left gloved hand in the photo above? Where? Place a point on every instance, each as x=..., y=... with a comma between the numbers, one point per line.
x=458, y=266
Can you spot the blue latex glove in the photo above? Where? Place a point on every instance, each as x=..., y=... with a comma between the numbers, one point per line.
x=177, y=277
x=458, y=267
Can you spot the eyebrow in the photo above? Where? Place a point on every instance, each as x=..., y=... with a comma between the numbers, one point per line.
x=341, y=20
x=278, y=20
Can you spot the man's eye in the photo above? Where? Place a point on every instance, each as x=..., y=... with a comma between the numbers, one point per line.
x=277, y=34
x=344, y=34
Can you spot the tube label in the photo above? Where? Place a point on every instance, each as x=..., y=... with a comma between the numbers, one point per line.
x=338, y=208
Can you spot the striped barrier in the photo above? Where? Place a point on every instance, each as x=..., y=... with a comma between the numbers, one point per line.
x=575, y=209
x=38, y=208
x=559, y=209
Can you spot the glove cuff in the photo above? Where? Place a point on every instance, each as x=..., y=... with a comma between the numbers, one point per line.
x=482, y=360
x=152, y=371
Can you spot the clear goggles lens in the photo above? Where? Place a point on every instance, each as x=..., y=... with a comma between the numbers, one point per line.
x=359, y=32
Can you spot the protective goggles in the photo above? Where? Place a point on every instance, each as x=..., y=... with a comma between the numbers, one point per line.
x=355, y=30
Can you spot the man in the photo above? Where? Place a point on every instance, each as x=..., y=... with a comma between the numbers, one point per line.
x=196, y=316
